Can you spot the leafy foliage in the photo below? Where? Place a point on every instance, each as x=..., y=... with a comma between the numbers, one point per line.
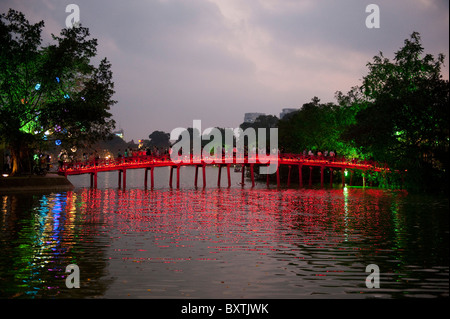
x=317, y=127
x=50, y=93
x=405, y=120
x=399, y=116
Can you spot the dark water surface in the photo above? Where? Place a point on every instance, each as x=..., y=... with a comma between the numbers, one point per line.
x=222, y=242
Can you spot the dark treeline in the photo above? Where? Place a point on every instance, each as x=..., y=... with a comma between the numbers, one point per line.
x=398, y=116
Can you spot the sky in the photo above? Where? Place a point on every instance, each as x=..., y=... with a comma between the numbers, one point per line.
x=175, y=61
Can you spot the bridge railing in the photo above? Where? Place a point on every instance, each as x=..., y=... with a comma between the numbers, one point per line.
x=110, y=162
x=252, y=158
x=331, y=159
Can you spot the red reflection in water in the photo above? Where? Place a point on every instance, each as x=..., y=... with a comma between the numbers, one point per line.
x=240, y=220
x=306, y=232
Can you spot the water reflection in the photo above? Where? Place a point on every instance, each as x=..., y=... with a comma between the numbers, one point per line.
x=40, y=236
x=214, y=243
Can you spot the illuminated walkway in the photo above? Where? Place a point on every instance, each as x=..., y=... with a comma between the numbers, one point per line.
x=150, y=162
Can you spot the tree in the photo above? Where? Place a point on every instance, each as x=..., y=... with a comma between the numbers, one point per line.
x=211, y=140
x=50, y=94
x=405, y=118
x=159, y=139
x=261, y=122
x=317, y=126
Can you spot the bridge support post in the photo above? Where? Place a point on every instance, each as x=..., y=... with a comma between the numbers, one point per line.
x=145, y=177
x=243, y=174
x=204, y=175
x=252, y=175
x=124, y=173
x=343, y=177
x=178, y=176
x=300, y=175
x=196, y=175
x=93, y=180
x=151, y=177
x=351, y=177
x=170, y=176
x=219, y=175
x=278, y=175
x=229, y=176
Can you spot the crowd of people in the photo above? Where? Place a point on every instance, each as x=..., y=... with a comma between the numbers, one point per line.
x=162, y=151
x=320, y=154
x=40, y=163
x=149, y=151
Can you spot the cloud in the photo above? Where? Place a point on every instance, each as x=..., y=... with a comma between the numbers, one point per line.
x=175, y=60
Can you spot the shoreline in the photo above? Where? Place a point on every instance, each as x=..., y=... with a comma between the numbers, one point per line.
x=35, y=183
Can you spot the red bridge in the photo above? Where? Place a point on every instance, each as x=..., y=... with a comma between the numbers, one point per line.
x=147, y=163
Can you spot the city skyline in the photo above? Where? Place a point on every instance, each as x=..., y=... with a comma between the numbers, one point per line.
x=174, y=62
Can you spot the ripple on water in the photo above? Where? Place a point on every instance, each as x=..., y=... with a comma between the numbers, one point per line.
x=215, y=243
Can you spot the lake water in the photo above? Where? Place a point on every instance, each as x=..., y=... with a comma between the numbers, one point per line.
x=237, y=242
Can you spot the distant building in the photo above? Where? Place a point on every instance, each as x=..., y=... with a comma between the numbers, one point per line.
x=251, y=117
x=286, y=111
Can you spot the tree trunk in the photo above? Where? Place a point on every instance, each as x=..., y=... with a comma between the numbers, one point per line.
x=20, y=158
x=15, y=161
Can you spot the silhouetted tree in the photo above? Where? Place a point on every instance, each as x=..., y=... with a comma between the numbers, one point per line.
x=50, y=93
x=159, y=139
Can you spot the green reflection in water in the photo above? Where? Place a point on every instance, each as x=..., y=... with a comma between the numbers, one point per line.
x=41, y=235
